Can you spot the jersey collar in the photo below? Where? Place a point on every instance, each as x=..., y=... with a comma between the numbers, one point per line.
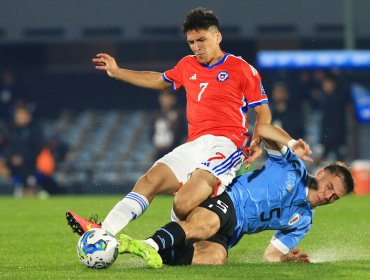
x=217, y=63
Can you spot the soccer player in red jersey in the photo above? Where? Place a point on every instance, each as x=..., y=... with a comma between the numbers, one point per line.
x=219, y=89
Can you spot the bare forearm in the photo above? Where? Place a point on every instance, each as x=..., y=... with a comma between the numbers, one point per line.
x=273, y=133
x=256, y=133
x=275, y=138
x=263, y=117
x=145, y=79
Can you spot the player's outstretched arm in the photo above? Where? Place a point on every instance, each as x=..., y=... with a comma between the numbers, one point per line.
x=274, y=255
x=146, y=79
x=275, y=137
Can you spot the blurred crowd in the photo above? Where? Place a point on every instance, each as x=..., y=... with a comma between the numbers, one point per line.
x=27, y=158
x=313, y=105
x=308, y=104
x=169, y=126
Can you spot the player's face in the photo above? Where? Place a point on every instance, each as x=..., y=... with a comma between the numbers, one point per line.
x=205, y=44
x=330, y=188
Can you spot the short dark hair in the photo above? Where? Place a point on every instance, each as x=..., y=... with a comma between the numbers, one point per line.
x=200, y=18
x=340, y=169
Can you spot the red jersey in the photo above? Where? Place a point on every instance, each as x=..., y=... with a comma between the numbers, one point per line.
x=218, y=96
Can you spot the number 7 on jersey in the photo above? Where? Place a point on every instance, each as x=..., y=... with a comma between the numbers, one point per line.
x=203, y=87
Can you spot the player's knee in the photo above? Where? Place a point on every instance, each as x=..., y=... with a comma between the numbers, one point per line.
x=217, y=257
x=181, y=207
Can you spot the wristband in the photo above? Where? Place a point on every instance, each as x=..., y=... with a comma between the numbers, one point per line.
x=291, y=143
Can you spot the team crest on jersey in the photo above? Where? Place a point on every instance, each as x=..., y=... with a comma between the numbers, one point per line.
x=222, y=76
x=295, y=219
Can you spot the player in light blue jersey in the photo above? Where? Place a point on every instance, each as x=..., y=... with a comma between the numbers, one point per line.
x=273, y=197
x=280, y=196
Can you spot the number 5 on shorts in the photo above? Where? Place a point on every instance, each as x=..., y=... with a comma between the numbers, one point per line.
x=222, y=206
x=203, y=87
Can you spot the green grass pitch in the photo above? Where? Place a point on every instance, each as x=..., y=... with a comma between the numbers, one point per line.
x=36, y=243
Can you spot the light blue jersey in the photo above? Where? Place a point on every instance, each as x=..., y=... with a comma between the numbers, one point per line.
x=273, y=198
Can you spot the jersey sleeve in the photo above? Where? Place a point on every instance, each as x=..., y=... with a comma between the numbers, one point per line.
x=175, y=75
x=282, y=155
x=285, y=156
x=252, y=86
x=288, y=239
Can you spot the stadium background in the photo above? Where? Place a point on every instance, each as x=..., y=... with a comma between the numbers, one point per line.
x=107, y=126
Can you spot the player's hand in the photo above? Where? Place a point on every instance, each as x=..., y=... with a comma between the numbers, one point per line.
x=302, y=150
x=295, y=255
x=105, y=62
x=255, y=152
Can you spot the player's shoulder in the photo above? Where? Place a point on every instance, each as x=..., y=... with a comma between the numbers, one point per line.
x=287, y=161
x=284, y=154
x=236, y=58
x=242, y=63
x=188, y=58
x=187, y=61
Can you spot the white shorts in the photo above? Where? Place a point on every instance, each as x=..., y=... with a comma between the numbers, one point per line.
x=216, y=154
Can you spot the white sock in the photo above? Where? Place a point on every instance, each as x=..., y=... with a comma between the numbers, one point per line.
x=152, y=244
x=126, y=210
x=174, y=218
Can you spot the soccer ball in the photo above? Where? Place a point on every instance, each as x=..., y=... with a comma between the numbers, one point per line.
x=97, y=248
